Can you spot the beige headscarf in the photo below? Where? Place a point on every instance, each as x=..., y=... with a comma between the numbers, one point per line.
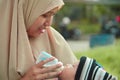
x=17, y=52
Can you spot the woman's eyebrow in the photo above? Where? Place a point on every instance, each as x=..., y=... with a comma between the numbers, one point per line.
x=51, y=12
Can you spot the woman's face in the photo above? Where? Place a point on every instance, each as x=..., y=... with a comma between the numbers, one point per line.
x=42, y=22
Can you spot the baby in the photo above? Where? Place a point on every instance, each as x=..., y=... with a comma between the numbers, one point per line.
x=86, y=69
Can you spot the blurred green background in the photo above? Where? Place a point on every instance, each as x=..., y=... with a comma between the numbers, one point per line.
x=107, y=56
x=86, y=16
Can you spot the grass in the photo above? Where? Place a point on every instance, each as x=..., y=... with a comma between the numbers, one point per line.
x=108, y=56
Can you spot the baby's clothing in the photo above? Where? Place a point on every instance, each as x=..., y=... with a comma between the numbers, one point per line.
x=89, y=69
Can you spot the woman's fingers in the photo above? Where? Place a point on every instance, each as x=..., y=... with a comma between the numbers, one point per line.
x=50, y=68
x=48, y=75
x=40, y=64
x=45, y=73
x=39, y=72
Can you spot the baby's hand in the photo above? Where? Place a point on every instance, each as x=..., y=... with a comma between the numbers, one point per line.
x=68, y=72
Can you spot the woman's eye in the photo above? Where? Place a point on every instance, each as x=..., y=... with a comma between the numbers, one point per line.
x=48, y=15
x=45, y=15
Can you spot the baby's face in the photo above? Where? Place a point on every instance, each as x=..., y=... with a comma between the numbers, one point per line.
x=69, y=72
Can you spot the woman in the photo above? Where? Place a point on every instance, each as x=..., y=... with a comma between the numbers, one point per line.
x=26, y=31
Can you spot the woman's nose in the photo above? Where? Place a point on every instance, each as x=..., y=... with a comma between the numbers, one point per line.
x=48, y=22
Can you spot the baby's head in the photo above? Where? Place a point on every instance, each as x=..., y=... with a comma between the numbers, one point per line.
x=68, y=72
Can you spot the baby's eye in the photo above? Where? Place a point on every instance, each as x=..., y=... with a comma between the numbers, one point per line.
x=75, y=65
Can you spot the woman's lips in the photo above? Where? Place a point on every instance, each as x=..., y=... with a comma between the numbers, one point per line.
x=41, y=31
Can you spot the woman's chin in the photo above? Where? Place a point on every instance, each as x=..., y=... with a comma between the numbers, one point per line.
x=34, y=35
x=37, y=34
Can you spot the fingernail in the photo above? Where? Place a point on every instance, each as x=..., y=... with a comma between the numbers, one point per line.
x=59, y=65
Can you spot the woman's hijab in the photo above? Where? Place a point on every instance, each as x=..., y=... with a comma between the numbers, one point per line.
x=17, y=51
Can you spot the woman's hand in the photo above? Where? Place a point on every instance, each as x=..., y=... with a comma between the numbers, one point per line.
x=38, y=72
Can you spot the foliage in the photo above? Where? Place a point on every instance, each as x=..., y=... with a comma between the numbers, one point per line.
x=86, y=17
x=85, y=27
x=81, y=16
x=108, y=56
